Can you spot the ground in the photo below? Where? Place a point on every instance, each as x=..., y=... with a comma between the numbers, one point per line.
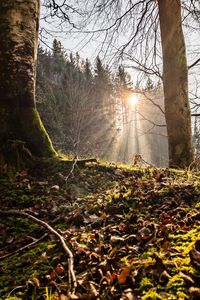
x=134, y=232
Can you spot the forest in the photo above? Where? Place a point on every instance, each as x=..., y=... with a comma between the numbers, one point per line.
x=84, y=119
x=99, y=150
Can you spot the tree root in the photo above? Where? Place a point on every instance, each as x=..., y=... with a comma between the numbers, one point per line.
x=71, y=275
x=14, y=155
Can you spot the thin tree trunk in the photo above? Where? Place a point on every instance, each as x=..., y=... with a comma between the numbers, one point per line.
x=20, y=120
x=175, y=82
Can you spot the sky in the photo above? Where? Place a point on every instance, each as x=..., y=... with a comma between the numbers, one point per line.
x=89, y=46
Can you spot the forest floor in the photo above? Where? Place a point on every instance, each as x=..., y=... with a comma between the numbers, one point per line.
x=134, y=233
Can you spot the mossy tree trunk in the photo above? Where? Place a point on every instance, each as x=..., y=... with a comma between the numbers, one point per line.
x=19, y=119
x=175, y=82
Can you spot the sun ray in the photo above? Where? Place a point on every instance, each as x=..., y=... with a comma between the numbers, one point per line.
x=133, y=100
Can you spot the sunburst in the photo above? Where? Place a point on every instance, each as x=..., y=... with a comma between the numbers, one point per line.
x=133, y=100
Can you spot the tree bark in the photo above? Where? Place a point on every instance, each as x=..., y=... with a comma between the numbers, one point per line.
x=175, y=82
x=19, y=21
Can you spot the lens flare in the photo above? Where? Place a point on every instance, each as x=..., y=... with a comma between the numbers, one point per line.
x=133, y=100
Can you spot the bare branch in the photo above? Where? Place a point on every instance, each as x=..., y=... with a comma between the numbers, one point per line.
x=195, y=115
x=194, y=63
x=24, y=247
x=151, y=100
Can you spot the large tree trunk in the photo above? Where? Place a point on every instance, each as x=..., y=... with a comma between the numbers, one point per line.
x=19, y=119
x=175, y=81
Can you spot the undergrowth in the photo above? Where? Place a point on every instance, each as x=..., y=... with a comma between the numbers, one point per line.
x=134, y=232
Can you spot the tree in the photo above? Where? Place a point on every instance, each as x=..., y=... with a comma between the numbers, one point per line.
x=57, y=48
x=175, y=83
x=87, y=72
x=20, y=121
x=100, y=83
x=123, y=91
x=138, y=21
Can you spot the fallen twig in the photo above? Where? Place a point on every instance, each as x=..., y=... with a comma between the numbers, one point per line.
x=79, y=163
x=24, y=247
x=71, y=274
x=71, y=171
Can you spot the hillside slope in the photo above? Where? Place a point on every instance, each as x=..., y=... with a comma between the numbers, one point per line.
x=134, y=233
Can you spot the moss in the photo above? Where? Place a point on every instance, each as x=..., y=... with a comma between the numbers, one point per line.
x=104, y=185
x=183, y=241
x=175, y=282
x=145, y=284
x=197, y=206
x=164, y=192
x=176, y=286
x=34, y=263
x=151, y=295
x=182, y=295
x=35, y=135
x=22, y=135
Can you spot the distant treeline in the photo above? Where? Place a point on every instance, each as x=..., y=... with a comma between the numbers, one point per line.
x=79, y=104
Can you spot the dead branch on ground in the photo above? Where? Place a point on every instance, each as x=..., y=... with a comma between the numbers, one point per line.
x=72, y=278
x=24, y=247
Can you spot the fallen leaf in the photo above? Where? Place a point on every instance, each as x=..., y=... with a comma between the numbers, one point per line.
x=123, y=275
x=58, y=270
x=195, y=293
x=194, y=256
x=165, y=245
x=187, y=279
x=128, y=295
x=55, y=187
x=164, y=276
x=116, y=239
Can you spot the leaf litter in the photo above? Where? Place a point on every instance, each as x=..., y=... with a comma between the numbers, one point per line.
x=134, y=233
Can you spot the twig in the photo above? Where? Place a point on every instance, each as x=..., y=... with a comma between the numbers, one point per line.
x=79, y=163
x=71, y=171
x=194, y=63
x=72, y=277
x=16, y=288
x=24, y=247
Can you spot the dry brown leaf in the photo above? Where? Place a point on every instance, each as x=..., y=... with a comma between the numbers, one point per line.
x=58, y=270
x=123, y=275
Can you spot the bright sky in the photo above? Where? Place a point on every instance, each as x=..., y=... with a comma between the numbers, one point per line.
x=90, y=46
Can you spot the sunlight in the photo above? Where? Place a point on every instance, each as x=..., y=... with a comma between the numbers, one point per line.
x=133, y=100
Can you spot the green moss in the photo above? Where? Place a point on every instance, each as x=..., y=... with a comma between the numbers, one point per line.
x=164, y=192
x=20, y=268
x=35, y=135
x=176, y=282
x=176, y=286
x=182, y=295
x=145, y=284
x=151, y=295
x=183, y=241
x=21, y=135
x=197, y=206
x=105, y=190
